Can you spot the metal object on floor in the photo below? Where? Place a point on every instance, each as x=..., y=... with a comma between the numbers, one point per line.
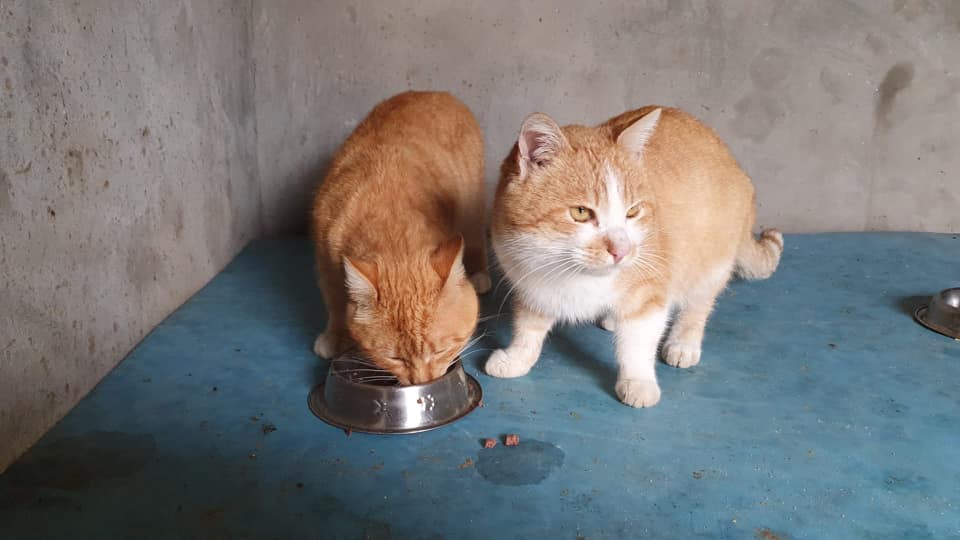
x=357, y=396
x=942, y=314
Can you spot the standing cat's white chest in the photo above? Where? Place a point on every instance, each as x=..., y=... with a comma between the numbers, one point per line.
x=576, y=298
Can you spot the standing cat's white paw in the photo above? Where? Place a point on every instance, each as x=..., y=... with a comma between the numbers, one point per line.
x=481, y=282
x=638, y=392
x=501, y=364
x=325, y=346
x=680, y=354
x=609, y=323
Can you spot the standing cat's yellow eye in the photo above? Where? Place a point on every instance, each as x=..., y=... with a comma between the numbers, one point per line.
x=634, y=211
x=581, y=214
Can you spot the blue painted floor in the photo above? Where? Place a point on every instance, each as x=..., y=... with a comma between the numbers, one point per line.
x=821, y=410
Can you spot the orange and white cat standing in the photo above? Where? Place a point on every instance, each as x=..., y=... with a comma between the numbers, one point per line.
x=623, y=223
x=399, y=233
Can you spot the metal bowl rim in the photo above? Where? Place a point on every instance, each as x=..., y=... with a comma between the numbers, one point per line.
x=919, y=316
x=317, y=405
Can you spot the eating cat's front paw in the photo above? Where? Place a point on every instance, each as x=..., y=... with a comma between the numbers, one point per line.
x=481, y=282
x=609, y=323
x=680, y=354
x=500, y=364
x=325, y=346
x=638, y=392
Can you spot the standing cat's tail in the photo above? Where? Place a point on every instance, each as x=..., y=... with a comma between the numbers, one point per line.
x=757, y=259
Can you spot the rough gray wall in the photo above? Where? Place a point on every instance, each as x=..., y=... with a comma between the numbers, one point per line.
x=127, y=180
x=846, y=114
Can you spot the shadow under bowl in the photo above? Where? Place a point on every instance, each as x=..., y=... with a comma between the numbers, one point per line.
x=942, y=313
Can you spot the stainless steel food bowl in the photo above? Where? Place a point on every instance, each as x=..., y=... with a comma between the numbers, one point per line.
x=942, y=314
x=358, y=396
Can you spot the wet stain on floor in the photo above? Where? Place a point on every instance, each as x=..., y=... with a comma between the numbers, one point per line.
x=529, y=463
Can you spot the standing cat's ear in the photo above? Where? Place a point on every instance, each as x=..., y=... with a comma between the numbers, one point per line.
x=541, y=139
x=362, y=278
x=447, y=259
x=635, y=137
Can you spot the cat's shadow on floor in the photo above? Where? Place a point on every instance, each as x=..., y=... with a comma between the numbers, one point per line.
x=496, y=325
x=577, y=356
x=496, y=331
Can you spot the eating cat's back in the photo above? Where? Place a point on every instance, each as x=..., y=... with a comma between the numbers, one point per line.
x=399, y=236
x=417, y=157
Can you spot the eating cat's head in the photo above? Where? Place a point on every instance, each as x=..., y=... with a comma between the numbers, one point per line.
x=574, y=198
x=413, y=319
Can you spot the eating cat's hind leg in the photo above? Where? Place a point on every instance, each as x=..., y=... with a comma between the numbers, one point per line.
x=481, y=282
x=327, y=344
x=608, y=323
x=332, y=341
x=682, y=348
x=529, y=331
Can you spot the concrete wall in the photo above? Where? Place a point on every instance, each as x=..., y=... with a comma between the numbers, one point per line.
x=145, y=142
x=846, y=114
x=127, y=180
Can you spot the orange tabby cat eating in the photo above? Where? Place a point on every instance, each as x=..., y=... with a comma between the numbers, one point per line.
x=644, y=215
x=398, y=227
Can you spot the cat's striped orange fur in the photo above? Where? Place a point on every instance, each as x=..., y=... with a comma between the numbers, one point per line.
x=398, y=227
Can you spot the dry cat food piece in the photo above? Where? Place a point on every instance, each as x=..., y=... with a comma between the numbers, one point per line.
x=512, y=440
x=489, y=443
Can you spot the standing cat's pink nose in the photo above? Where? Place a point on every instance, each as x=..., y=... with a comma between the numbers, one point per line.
x=618, y=245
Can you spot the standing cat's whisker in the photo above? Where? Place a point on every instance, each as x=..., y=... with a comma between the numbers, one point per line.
x=476, y=351
x=553, y=270
x=549, y=266
x=553, y=273
x=650, y=263
x=474, y=340
x=522, y=254
x=469, y=344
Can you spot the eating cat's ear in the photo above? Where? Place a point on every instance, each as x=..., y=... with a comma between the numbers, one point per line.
x=447, y=259
x=541, y=139
x=635, y=137
x=362, y=278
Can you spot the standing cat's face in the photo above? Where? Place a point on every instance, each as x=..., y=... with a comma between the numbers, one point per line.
x=577, y=203
x=412, y=321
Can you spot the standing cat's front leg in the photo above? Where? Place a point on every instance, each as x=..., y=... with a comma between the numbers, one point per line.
x=529, y=330
x=638, y=335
